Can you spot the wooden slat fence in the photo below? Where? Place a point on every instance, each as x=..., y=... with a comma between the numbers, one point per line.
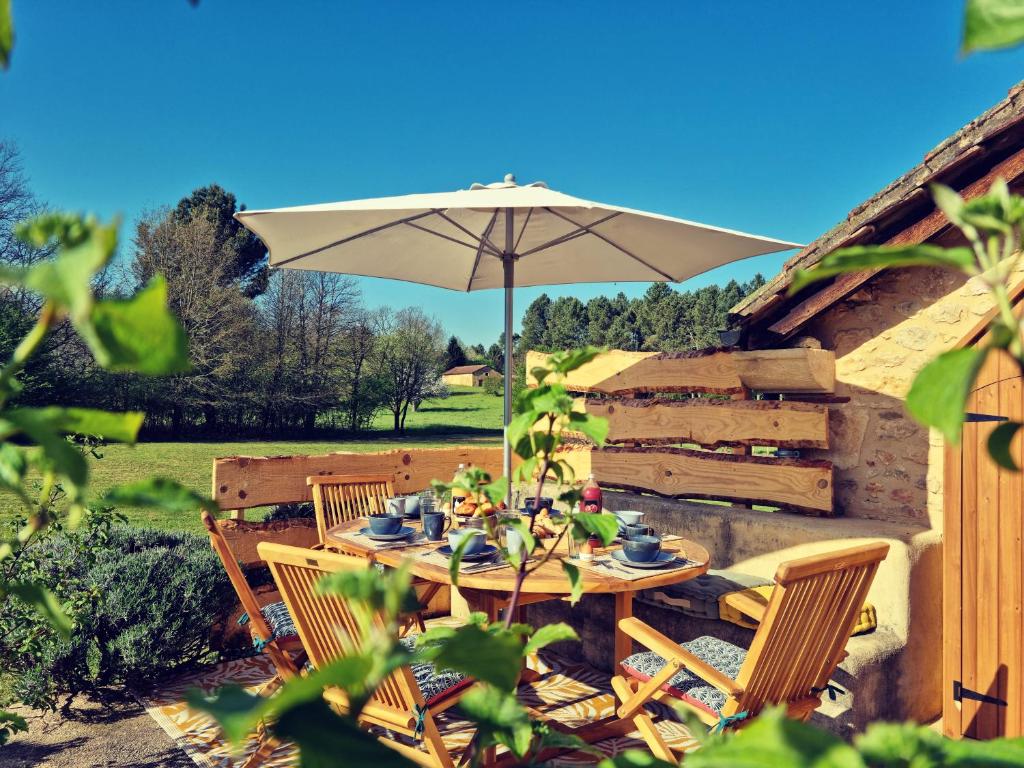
x=666, y=446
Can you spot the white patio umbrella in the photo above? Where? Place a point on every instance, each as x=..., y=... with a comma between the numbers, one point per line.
x=497, y=236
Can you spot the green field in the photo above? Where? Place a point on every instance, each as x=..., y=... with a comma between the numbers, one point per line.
x=468, y=416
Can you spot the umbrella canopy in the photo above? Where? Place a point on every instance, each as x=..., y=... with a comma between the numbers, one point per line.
x=497, y=236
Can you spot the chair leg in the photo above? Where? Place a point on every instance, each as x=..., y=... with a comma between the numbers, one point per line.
x=264, y=749
x=644, y=723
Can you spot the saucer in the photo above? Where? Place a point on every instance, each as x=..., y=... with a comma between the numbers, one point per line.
x=488, y=551
x=403, y=533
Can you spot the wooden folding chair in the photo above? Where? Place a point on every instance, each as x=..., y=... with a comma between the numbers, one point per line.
x=341, y=498
x=407, y=701
x=270, y=625
x=800, y=640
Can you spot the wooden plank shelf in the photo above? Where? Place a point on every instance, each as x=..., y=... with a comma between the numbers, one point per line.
x=798, y=485
x=712, y=423
x=719, y=371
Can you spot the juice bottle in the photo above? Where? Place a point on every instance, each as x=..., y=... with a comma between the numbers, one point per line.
x=459, y=495
x=591, y=501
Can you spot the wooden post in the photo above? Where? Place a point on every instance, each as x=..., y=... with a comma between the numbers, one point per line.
x=742, y=450
x=623, y=642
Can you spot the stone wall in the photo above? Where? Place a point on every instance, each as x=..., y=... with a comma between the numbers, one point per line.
x=887, y=466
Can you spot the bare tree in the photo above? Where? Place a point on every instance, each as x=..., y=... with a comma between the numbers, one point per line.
x=410, y=354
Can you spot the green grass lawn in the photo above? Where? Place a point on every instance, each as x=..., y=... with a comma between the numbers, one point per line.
x=467, y=417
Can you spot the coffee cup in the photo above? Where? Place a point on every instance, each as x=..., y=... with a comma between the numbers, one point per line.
x=475, y=539
x=435, y=525
x=396, y=506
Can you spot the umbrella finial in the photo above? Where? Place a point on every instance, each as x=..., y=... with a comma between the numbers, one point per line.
x=510, y=178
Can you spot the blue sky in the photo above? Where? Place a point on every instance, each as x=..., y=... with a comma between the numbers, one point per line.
x=774, y=118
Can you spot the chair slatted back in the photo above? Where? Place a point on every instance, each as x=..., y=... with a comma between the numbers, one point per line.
x=340, y=498
x=257, y=624
x=326, y=624
x=802, y=637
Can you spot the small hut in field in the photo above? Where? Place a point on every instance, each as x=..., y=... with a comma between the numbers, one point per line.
x=469, y=375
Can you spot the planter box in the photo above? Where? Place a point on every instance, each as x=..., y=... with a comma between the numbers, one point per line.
x=243, y=536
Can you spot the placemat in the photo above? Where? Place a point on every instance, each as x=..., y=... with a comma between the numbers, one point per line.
x=416, y=540
x=606, y=566
x=436, y=558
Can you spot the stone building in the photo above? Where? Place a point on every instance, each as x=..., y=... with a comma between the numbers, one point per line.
x=883, y=326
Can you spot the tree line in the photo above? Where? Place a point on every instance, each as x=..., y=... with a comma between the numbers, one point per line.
x=273, y=351
x=286, y=352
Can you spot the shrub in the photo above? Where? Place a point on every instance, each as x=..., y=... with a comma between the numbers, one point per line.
x=291, y=512
x=143, y=604
x=493, y=386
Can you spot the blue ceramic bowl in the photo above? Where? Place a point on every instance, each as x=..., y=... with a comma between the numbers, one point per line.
x=629, y=517
x=642, y=549
x=385, y=524
x=476, y=539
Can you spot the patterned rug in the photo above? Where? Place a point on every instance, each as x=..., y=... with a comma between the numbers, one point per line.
x=574, y=694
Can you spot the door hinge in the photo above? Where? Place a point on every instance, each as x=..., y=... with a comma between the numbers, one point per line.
x=969, y=417
x=960, y=693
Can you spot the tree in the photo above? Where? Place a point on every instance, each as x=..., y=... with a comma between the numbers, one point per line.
x=219, y=319
x=409, y=356
x=246, y=253
x=456, y=356
x=535, y=324
x=567, y=323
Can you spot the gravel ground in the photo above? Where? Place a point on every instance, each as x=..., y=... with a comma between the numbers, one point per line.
x=91, y=734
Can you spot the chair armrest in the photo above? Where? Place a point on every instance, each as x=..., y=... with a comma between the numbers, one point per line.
x=670, y=651
x=749, y=605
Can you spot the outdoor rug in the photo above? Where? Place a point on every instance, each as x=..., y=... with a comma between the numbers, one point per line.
x=575, y=694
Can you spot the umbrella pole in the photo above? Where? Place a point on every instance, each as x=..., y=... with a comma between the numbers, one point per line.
x=508, y=263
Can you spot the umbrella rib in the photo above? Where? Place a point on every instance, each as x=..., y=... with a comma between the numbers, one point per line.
x=358, y=235
x=612, y=243
x=580, y=231
x=438, y=234
x=526, y=222
x=483, y=242
x=480, y=249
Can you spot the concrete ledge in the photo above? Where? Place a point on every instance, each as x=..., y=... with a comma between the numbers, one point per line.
x=892, y=673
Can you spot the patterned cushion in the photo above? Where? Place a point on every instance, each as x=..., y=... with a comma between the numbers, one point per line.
x=280, y=621
x=725, y=657
x=433, y=684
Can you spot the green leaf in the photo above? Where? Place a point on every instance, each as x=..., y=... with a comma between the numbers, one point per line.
x=948, y=201
x=774, y=741
x=634, y=758
x=992, y=24
x=491, y=657
x=116, y=427
x=902, y=744
x=234, y=708
x=11, y=723
x=604, y=525
x=328, y=740
x=456, y=560
x=548, y=634
x=12, y=465
x=938, y=396
x=523, y=529
x=573, y=574
x=861, y=257
x=56, y=450
x=594, y=427
x=138, y=334
x=85, y=247
x=999, y=444
x=500, y=717
x=496, y=491
x=6, y=35
x=160, y=493
x=40, y=598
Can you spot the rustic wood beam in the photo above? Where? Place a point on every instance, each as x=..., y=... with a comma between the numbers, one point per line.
x=1009, y=169
x=799, y=485
x=241, y=482
x=713, y=423
x=710, y=371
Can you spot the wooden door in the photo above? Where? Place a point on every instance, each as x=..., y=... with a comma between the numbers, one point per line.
x=982, y=595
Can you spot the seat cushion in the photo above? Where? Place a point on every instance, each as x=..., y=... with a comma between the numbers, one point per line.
x=279, y=620
x=725, y=657
x=434, y=684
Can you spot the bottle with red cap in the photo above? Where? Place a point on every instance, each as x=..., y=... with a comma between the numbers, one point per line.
x=591, y=501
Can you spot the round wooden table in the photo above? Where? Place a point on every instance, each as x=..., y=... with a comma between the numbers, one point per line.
x=489, y=591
